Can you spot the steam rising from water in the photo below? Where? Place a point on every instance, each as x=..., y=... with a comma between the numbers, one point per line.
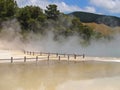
x=10, y=38
x=60, y=76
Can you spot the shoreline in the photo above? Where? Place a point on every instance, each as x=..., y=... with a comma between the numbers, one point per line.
x=33, y=57
x=54, y=62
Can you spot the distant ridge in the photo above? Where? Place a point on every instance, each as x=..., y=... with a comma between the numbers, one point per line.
x=86, y=17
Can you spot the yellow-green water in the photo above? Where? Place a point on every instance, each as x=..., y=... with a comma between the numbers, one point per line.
x=60, y=76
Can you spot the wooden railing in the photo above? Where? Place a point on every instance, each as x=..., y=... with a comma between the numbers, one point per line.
x=57, y=54
x=37, y=56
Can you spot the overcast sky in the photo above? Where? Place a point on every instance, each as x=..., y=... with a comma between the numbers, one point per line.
x=108, y=7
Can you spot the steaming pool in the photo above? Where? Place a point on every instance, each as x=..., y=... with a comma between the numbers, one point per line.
x=55, y=75
x=60, y=76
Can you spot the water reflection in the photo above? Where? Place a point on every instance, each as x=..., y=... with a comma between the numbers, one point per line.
x=56, y=75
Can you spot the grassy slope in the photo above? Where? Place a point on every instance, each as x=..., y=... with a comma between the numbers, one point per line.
x=104, y=29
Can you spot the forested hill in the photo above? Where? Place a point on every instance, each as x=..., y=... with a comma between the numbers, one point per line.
x=97, y=18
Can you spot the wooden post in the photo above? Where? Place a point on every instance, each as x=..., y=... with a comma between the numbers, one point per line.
x=48, y=57
x=30, y=53
x=59, y=58
x=11, y=59
x=74, y=56
x=56, y=54
x=36, y=58
x=83, y=55
x=68, y=57
x=24, y=58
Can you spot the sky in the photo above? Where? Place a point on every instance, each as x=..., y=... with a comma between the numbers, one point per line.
x=107, y=7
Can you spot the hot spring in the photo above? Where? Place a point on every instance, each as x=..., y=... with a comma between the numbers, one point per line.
x=60, y=75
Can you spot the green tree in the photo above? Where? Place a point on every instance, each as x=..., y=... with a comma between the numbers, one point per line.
x=84, y=31
x=87, y=32
x=2, y=8
x=8, y=8
x=23, y=16
x=52, y=12
x=30, y=16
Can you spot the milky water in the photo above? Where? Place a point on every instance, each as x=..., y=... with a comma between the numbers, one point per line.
x=55, y=75
x=92, y=73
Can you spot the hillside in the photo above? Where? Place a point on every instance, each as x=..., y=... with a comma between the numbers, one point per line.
x=86, y=17
x=101, y=28
x=38, y=21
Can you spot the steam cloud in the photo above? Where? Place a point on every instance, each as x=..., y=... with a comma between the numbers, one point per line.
x=11, y=38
